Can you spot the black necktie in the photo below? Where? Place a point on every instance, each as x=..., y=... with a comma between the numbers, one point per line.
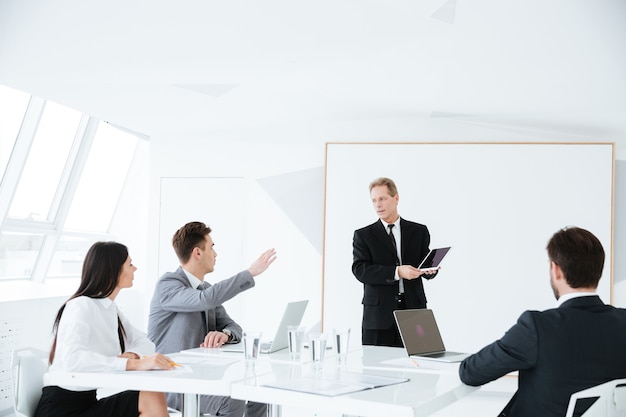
x=395, y=246
x=201, y=287
x=393, y=239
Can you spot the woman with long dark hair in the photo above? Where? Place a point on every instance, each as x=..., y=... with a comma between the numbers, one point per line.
x=91, y=335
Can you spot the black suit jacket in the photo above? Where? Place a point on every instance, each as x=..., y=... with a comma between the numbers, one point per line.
x=374, y=264
x=557, y=352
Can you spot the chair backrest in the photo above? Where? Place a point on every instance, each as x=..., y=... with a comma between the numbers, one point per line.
x=28, y=367
x=605, y=400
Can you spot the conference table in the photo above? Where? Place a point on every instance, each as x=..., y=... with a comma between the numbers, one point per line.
x=429, y=386
x=411, y=388
x=197, y=376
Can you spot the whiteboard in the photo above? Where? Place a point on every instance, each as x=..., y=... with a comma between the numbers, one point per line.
x=496, y=204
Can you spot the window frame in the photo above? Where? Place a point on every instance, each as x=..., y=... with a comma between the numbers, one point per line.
x=52, y=228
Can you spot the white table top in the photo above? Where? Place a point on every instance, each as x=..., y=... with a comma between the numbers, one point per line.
x=425, y=392
x=396, y=359
x=211, y=376
x=431, y=386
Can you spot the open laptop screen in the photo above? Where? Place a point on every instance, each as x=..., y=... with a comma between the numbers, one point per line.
x=419, y=331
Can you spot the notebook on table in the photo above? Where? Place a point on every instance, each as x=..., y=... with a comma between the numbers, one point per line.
x=421, y=337
x=291, y=317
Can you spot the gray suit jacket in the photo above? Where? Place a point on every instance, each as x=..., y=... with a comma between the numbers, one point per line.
x=176, y=323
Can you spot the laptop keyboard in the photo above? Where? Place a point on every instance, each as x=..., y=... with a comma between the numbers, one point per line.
x=440, y=354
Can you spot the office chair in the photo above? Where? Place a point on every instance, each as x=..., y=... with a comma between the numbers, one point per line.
x=28, y=367
x=606, y=400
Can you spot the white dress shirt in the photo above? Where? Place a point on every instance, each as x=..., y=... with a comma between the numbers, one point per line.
x=398, y=237
x=193, y=280
x=574, y=294
x=87, y=338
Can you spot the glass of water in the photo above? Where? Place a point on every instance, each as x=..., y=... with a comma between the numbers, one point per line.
x=251, y=345
x=295, y=336
x=317, y=348
x=341, y=338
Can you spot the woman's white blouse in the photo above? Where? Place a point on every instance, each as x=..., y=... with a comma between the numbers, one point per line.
x=87, y=338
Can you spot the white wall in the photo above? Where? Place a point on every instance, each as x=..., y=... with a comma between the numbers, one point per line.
x=295, y=274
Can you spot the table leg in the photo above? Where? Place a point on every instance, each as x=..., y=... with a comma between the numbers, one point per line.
x=274, y=410
x=191, y=405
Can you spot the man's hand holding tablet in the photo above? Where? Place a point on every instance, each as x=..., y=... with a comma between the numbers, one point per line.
x=428, y=268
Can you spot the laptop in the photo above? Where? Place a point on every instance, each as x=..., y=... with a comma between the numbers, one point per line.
x=291, y=317
x=433, y=259
x=421, y=337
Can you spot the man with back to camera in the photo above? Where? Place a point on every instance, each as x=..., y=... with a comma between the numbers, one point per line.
x=187, y=312
x=386, y=264
x=560, y=351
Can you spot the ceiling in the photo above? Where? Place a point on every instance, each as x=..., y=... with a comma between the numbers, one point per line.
x=194, y=67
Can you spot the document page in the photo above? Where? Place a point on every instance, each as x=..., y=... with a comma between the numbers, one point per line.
x=345, y=383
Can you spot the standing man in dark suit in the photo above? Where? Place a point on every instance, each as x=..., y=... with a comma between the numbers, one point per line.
x=563, y=350
x=386, y=263
x=186, y=312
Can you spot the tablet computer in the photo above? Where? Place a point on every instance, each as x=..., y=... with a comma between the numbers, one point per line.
x=433, y=259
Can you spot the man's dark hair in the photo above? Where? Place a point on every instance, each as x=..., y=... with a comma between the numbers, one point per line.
x=579, y=254
x=189, y=236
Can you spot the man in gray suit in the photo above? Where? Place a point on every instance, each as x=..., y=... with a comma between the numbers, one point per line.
x=187, y=312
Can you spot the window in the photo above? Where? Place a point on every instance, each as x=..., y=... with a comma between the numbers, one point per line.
x=12, y=108
x=18, y=254
x=65, y=172
x=102, y=180
x=67, y=260
x=46, y=160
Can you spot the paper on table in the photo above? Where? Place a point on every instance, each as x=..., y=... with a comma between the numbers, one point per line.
x=406, y=361
x=206, y=360
x=345, y=383
x=423, y=365
x=175, y=370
